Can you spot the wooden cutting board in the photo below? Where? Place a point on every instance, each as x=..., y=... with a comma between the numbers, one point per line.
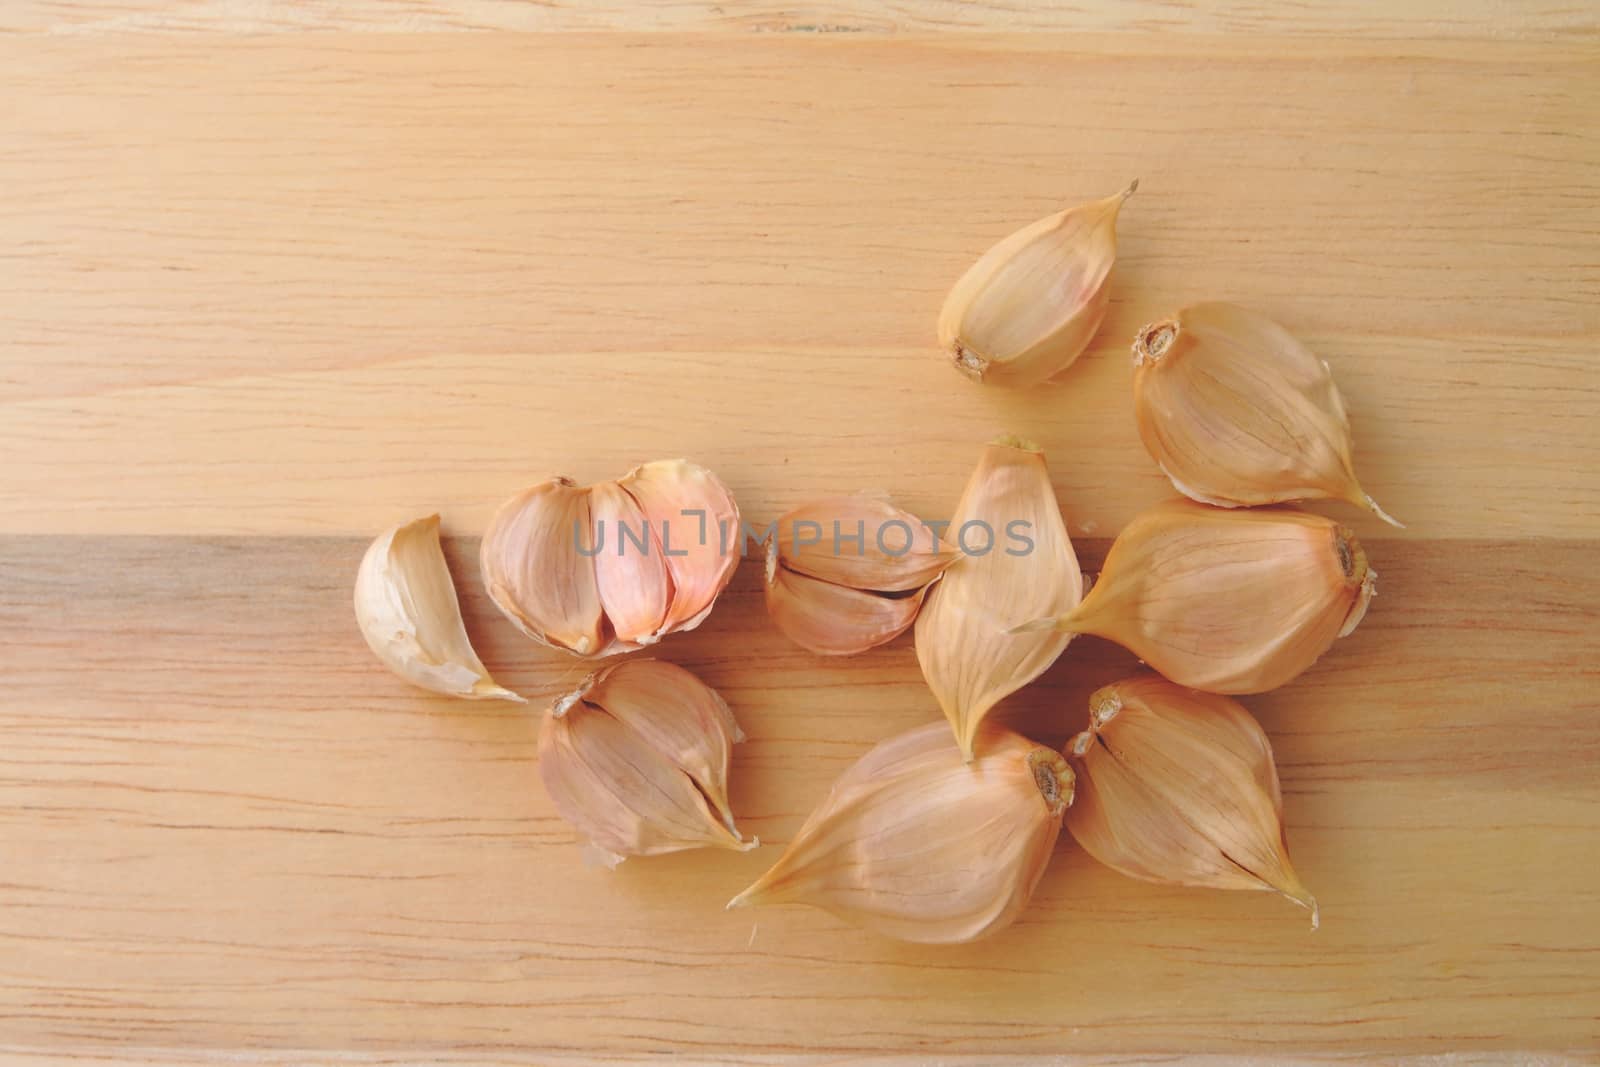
x=276, y=276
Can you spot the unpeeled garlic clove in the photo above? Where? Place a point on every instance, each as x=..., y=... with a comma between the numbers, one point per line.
x=1031, y=304
x=631, y=577
x=636, y=758
x=1238, y=412
x=697, y=521
x=1179, y=787
x=533, y=562
x=918, y=845
x=834, y=620
x=407, y=609
x=616, y=566
x=1227, y=601
x=863, y=542
x=968, y=644
x=846, y=574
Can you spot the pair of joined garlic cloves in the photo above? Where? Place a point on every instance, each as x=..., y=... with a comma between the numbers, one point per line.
x=1179, y=787
x=636, y=758
x=849, y=573
x=1017, y=564
x=615, y=566
x=407, y=609
x=1031, y=304
x=1226, y=601
x=1237, y=412
x=914, y=843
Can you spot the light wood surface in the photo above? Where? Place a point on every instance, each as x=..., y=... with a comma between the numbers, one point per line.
x=271, y=281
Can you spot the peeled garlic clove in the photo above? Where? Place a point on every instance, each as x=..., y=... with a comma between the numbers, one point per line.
x=834, y=620
x=1238, y=412
x=966, y=634
x=535, y=568
x=1179, y=787
x=408, y=612
x=1227, y=601
x=636, y=758
x=1030, y=305
x=863, y=542
x=696, y=524
x=918, y=845
x=630, y=573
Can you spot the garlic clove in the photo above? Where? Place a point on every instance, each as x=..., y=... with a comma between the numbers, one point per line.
x=630, y=572
x=532, y=556
x=407, y=609
x=1237, y=412
x=863, y=542
x=624, y=756
x=678, y=716
x=1227, y=601
x=916, y=844
x=613, y=567
x=834, y=620
x=696, y=525
x=1179, y=787
x=1031, y=304
x=966, y=634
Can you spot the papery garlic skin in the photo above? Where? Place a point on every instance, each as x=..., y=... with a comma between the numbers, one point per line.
x=968, y=645
x=1031, y=304
x=614, y=567
x=834, y=620
x=918, y=845
x=636, y=758
x=633, y=583
x=534, y=568
x=701, y=520
x=863, y=542
x=1238, y=413
x=1227, y=601
x=408, y=612
x=1179, y=787
x=846, y=574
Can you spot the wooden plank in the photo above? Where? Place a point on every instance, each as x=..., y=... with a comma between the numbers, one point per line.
x=1460, y=439
x=1357, y=19
x=267, y=291
x=338, y=201
x=224, y=826
x=362, y=277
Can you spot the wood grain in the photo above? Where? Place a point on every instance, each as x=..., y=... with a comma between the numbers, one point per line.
x=1421, y=19
x=396, y=297
x=224, y=825
x=275, y=276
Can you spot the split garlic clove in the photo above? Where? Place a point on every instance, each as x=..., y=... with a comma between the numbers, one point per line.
x=407, y=609
x=1238, y=412
x=834, y=620
x=1031, y=304
x=862, y=542
x=918, y=845
x=636, y=758
x=630, y=576
x=535, y=567
x=1179, y=787
x=616, y=566
x=968, y=643
x=1227, y=601
x=697, y=521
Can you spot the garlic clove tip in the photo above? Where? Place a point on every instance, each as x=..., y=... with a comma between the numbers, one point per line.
x=1371, y=505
